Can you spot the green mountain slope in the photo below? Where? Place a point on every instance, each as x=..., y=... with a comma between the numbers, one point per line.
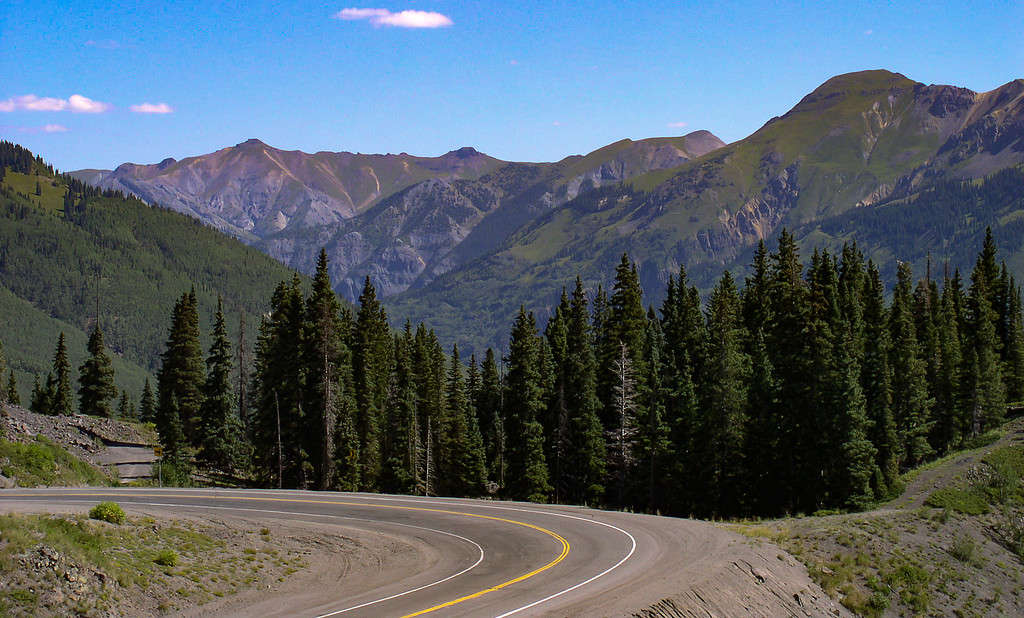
x=131, y=260
x=856, y=144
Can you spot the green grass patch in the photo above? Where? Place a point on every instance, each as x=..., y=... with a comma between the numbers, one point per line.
x=971, y=501
x=44, y=463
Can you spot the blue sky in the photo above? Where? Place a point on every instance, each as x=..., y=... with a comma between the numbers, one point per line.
x=520, y=81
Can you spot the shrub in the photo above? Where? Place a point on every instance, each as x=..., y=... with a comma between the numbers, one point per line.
x=964, y=549
x=166, y=557
x=108, y=511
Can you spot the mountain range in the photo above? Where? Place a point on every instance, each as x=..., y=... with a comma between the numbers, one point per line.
x=460, y=240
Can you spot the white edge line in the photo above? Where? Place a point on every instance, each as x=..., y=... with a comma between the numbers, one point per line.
x=354, y=607
x=466, y=504
x=628, y=555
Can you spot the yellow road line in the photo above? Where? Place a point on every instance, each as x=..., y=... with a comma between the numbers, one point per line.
x=565, y=544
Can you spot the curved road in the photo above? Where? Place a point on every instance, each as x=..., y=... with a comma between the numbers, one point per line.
x=494, y=558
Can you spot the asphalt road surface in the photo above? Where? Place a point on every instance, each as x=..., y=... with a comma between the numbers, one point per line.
x=493, y=558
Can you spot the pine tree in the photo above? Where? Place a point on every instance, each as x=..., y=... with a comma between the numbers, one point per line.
x=556, y=419
x=96, y=379
x=787, y=343
x=221, y=445
x=654, y=443
x=987, y=397
x=524, y=401
x=461, y=457
x=853, y=482
x=624, y=323
x=949, y=410
x=1013, y=369
x=622, y=436
x=488, y=404
x=39, y=402
x=181, y=373
x=584, y=466
x=401, y=442
x=13, y=397
x=62, y=403
x=876, y=380
x=725, y=400
x=910, y=404
x=371, y=367
x=325, y=353
x=147, y=405
x=763, y=450
x=124, y=406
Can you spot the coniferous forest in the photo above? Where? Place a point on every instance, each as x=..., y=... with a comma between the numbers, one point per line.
x=796, y=390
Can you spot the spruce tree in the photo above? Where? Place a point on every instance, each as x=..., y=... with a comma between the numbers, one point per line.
x=949, y=409
x=527, y=477
x=326, y=352
x=853, y=485
x=623, y=324
x=488, y=404
x=987, y=397
x=461, y=458
x=584, y=466
x=39, y=402
x=653, y=452
x=910, y=404
x=181, y=373
x=556, y=419
x=96, y=380
x=876, y=381
x=371, y=368
x=402, y=441
x=147, y=405
x=221, y=444
x=622, y=435
x=125, y=409
x=725, y=400
x=63, y=403
x=1013, y=368
x=13, y=397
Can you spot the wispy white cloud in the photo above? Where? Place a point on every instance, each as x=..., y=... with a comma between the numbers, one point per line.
x=513, y=62
x=152, y=108
x=74, y=103
x=401, y=19
x=556, y=123
x=46, y=128
x=868, y=32
x=676, y=125
x=104, y=44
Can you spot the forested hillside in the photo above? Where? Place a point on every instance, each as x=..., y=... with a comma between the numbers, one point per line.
x=798, y=390
x=68, y=250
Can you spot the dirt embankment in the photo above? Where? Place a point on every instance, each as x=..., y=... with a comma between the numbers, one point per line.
x=918, y=555
x=70, y=565
x=122, y=448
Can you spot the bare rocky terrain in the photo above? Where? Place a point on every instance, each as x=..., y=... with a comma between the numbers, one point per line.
x=113, y=445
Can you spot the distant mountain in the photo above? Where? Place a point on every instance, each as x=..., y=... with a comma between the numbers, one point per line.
x=399, y=219
x=859, y=150
x=63, y=256
x=408, y=239
x=252, y=190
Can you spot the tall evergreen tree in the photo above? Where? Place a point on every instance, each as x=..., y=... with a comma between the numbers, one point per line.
x=401, y=438
x=221, y=441
x=147, y=405
x=62, y=403
x=489, y=407
x=876, y=380
x=911, y=405
x=13, y=397
x=461, y=457
x=96, y=379
x=527, y=477
x=181, y=373
x=853, y=482
x=584, y=458
x=654, y=445
x=725, y=400
x=371, y=367
x=624, y=324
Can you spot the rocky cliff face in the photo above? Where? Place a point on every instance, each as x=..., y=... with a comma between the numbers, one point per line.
x=411, y=237
x=253, y=190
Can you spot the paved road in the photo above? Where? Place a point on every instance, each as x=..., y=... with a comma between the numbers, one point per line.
x=497, y=558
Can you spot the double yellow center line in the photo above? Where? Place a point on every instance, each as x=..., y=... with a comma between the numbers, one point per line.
x=565, y=544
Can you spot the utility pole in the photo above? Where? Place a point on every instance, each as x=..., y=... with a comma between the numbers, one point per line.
x=280, y=457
